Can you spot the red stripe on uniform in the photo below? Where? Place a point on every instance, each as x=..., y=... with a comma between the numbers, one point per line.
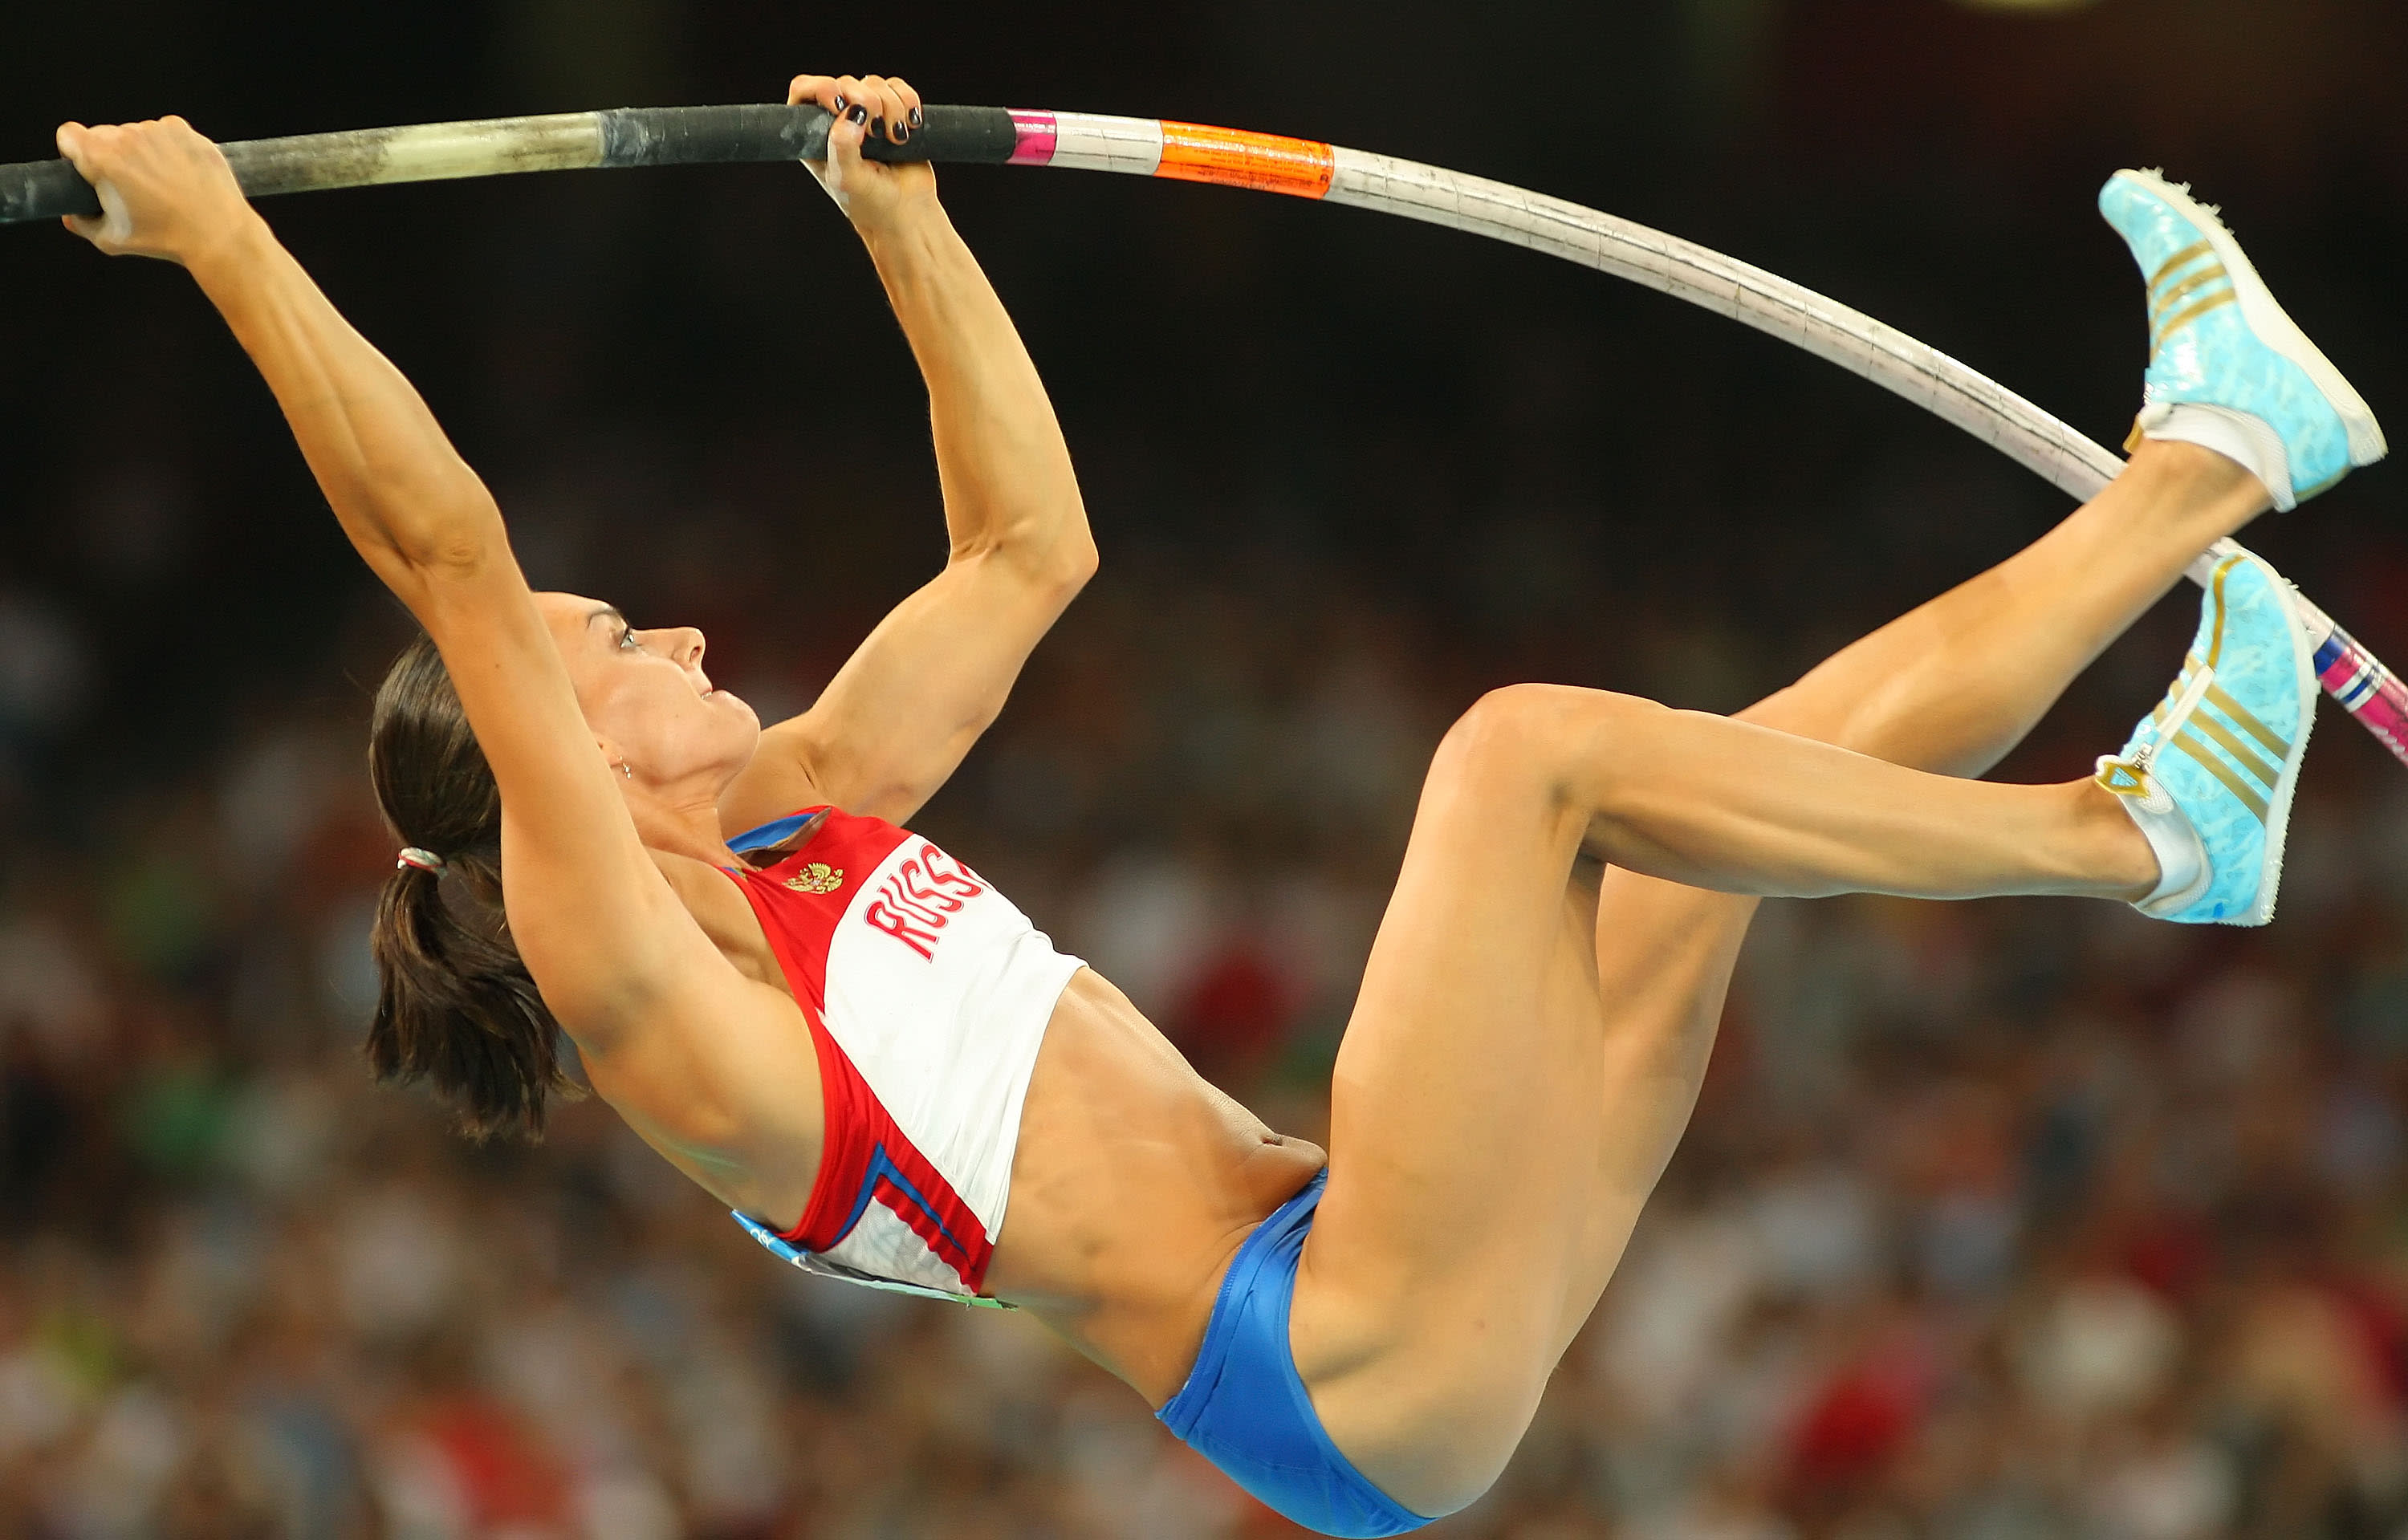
x=799, y=926
x=952, y=1231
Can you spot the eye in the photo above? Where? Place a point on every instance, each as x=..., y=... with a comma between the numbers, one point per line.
x=628, y=639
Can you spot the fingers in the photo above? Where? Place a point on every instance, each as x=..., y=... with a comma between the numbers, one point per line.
x=852, y=103
x=164, y=191
x=883, y=105
x=86, y=145
x=75, y=143
x=851, y=123
x=839, y=96
x=835, y=93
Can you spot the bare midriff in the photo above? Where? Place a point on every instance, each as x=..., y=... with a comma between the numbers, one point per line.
x=1133, y=1184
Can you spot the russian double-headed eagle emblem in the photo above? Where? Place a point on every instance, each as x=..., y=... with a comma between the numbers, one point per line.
x=817, y=878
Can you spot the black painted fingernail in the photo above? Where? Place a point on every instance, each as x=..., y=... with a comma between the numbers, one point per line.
x=859, y=114
x=902, y=134
x=916, y=119
x=838, y=109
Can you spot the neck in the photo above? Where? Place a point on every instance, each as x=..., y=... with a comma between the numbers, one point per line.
x=681, y=820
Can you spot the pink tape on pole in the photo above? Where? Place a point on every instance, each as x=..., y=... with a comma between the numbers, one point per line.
x=2366, y=690
x=1036, y=134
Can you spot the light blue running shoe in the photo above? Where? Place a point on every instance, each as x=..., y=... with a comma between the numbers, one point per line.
x=2227, y=367
x=2208, y=775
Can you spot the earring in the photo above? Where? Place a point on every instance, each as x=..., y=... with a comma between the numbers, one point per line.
x=628, y=768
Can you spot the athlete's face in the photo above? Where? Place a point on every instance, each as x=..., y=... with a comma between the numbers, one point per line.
x=645, y=695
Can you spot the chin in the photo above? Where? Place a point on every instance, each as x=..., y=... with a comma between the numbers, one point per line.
x=743, y=734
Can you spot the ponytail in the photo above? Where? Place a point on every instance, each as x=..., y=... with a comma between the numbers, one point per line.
x=455, y=1004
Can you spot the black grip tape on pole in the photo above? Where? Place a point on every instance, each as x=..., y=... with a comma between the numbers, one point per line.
x=44, y=190
x=712, y=135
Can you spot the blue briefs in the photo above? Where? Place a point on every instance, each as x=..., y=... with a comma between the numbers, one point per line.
x=1245, y=1408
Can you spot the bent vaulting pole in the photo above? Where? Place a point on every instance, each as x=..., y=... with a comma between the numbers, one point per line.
x=637, y=137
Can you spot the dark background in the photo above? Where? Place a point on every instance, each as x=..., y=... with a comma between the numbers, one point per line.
x=1345, y=472
x=1255, y=381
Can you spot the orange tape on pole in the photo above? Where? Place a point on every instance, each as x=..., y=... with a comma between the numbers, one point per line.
x=1234, y=157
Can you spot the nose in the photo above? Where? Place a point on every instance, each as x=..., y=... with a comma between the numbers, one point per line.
x=686, y=645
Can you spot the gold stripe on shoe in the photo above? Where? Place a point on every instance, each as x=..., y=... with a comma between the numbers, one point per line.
x=2193, y=313
x=2188, y=742
x=2187, y=254
x=2275, y=742
x=2231, y=742
x=2198, y=280
x=2215, y=640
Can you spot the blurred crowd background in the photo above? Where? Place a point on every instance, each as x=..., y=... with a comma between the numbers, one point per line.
x=1998, y=1220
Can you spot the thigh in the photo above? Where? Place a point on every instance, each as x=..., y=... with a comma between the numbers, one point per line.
x=1664, y=954
x=1523, y=1055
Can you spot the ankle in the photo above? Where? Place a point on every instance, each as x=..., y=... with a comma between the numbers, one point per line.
x=2118, y=856
x=2195, y=465
x=2200, y=484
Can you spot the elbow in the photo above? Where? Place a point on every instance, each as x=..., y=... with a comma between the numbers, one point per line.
x=1058, y=580
x=446, y=557
x=455, y=539
x=1074, y=568
x=1069, y=558
x=1058, y=567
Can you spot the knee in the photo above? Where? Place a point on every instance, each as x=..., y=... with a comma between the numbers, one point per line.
x=1521, y=724
x=1558, y=741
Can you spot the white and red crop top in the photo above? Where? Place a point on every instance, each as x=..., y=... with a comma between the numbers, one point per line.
x=927, y=994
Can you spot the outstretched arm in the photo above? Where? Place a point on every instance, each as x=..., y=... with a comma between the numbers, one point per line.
x=598, y=926
x=901, y=713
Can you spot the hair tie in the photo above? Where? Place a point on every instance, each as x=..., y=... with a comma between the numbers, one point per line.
x=425, y=860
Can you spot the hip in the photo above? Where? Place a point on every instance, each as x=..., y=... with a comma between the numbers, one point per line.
x=1134, y=1183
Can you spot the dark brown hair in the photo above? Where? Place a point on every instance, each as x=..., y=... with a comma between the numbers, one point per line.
x=455, y=1006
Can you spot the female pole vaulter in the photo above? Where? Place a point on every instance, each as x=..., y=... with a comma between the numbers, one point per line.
x=851, y=1038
